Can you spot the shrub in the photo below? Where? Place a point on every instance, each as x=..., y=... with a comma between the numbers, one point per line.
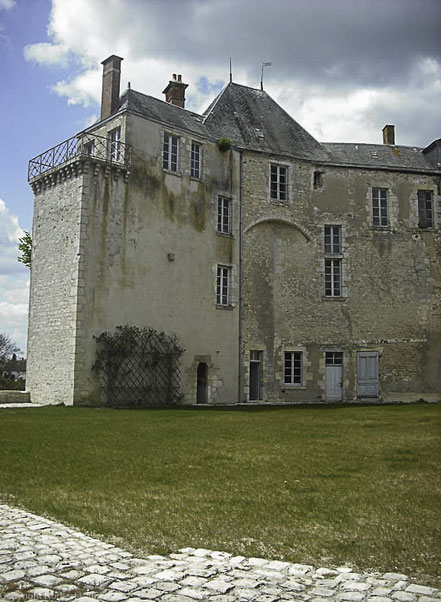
x=224, y=144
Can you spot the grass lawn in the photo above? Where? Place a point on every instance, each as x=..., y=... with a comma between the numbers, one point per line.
x=322, y=485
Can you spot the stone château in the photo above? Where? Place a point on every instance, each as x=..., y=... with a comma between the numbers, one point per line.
x=290, y=270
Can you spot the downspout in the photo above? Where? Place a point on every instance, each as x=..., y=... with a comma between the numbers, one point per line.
x=239, y=351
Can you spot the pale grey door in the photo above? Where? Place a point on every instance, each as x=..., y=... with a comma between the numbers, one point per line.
x=334, y=376
x=367, y=374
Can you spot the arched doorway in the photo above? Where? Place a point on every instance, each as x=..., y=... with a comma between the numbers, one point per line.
x=202, y=383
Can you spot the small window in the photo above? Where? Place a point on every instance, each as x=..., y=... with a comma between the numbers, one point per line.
x=195, y=167
x=224, y=215
x=318, y=179
x=379, y=207
x=170, y=152
x=89, y=148
x=279, y=183
x=333, y=239
x=293, y=368
x=334, y=358
x=425, y=209
x=223, y=285
x=115, y=145
x=333, y=277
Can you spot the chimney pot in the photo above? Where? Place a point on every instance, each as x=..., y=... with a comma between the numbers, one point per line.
x=111, y=83
x=175, y=91
x=389, y=134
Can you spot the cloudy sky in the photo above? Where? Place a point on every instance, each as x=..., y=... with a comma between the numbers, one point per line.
x=341, y=68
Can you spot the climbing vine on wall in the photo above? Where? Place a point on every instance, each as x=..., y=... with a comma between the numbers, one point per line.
x=138, y=367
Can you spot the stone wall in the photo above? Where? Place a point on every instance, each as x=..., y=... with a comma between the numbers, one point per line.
x=390, y=297
x=54, y=285
x=151, y=257
x=142, y=248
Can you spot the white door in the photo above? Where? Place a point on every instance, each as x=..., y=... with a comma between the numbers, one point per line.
x=334, y=376
x=368, y=374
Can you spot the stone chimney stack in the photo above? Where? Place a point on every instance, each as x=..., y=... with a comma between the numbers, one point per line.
x=389, y=134
x=175, y=91
x=111, y=82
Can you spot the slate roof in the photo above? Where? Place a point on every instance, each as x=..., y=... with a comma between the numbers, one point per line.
x=162, y=111
x=379, y=155
x=251, y=119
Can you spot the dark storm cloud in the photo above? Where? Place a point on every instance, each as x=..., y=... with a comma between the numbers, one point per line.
x=369, y=42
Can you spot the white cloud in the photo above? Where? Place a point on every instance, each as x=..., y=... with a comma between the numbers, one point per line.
x=10, y=230
x=14, y=280
x=342, y=87
x=46, y=53
x=7, y=4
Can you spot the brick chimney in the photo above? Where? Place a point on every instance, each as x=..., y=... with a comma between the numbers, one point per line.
x=175, y=91
x=389, y=134
x=110, y=89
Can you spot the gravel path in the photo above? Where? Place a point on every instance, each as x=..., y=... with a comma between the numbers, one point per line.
x=44, y=560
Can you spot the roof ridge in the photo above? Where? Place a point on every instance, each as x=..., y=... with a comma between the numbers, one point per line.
x=376, y=144
x=213, y=103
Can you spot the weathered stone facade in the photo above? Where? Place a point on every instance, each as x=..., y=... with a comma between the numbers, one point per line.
x=290, y=271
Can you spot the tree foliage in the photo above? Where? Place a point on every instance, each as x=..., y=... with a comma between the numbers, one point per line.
x=11, y=384
x=25, y=248
x=7, y=348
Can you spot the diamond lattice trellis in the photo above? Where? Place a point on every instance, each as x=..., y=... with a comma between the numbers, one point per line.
x=138, y=367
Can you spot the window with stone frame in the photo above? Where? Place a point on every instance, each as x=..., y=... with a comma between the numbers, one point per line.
x=196, y=160
x=223, y=284
x=332, y=277
x=114, y=137
x=293, y=369
x=380, y=212
x=170, y=152
x=224, y=215
x=278, y=182
x=333, y=260
x=332, y=239
x=318, y=179
x=425, y=209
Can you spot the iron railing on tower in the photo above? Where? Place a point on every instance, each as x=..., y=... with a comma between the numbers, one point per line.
x=105, y=149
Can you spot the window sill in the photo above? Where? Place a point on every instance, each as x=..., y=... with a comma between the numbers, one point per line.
x=171, y=172
x=278, y=202
x=340, y=298
x=225, y=307
x=224, y=234
x=195, y=179
x=292, y=387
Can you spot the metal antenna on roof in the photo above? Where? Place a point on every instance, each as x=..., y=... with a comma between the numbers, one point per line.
x=231, y=72
x=268, y=64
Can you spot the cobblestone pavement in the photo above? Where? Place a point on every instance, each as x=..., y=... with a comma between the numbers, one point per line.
x=44, y=560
